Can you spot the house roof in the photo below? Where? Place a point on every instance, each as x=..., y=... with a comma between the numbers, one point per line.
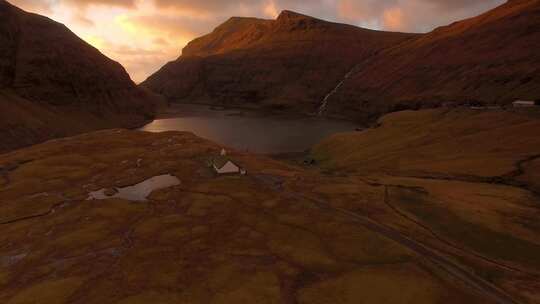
x=220, y=161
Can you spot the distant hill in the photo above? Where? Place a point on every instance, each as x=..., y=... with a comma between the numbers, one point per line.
x=54, y=84
x=295, y=61
x=291, y=62
x=492, y=58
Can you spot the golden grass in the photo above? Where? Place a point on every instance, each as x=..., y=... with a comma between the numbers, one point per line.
x=219, y=239
x=456, y=142
x=50, y=291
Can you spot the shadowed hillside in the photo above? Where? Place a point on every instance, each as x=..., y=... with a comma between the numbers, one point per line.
x=491, y=58
x=52, y=83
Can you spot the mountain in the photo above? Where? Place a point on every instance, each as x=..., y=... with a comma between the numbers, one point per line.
x=296, y=60
x=492, y=58
x=54, y=84
x=291, y=62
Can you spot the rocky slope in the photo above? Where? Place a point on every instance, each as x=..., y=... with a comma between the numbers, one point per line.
x=491, y=58
x=296, y=60
x=290, y=62
x=52, y=83
x=282, y=233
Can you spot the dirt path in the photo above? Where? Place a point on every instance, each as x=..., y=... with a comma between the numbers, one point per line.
x=455, y=270
x=405, y=216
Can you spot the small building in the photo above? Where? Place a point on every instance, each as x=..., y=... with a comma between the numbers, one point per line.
x=449, y=104
x=223, y=166
x=487, y=107
x=524, y=103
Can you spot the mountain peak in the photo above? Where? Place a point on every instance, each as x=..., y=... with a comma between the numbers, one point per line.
x=290, y=15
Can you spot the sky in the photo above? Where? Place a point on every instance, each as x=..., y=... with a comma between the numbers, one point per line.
x=143, y=35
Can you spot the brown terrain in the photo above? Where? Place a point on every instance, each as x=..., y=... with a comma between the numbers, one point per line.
x=429, y=206
x=432, y=206
x=54, y=84
x=290, y=62
x=295, y=61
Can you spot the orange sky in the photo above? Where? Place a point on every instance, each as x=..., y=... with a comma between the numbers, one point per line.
x=144, y=34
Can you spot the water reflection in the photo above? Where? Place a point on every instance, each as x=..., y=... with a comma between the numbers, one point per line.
x=138, y=192
x=248, y=131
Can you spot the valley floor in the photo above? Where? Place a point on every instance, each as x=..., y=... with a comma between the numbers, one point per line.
x=418, y=210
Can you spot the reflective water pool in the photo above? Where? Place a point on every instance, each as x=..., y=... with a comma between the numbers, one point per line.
x=245, y=130
x=138, y=192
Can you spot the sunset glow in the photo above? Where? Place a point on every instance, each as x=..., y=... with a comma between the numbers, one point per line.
x=145, y=34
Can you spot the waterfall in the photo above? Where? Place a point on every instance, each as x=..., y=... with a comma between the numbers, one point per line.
x=324, y=103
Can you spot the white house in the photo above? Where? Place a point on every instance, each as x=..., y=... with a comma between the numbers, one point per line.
x=524, y=104
x=223, y=165
x=228, y=168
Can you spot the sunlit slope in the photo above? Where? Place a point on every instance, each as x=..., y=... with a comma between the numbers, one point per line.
x=464, y=143
x=291, y=62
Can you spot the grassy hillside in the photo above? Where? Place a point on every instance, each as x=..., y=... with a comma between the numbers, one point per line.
x=281, y=234
x=462, y=143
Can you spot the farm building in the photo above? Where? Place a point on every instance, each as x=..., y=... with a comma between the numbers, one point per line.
x=224, y=166
x=525, y=103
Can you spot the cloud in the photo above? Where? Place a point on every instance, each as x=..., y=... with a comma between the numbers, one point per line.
x=167, y=26
x=86, y=3
x=410, y=15
x=393, y=19
x=35, y=6
x=144, y=34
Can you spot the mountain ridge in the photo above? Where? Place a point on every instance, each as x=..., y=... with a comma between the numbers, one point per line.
x=268, y=63
x=390, y=71
x=49, y=76
x=487, y=59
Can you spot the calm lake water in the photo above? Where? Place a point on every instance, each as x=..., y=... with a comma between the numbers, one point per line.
x=251, y=131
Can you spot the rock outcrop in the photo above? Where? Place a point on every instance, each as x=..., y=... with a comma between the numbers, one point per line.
x=290, y=62
x=53, y=84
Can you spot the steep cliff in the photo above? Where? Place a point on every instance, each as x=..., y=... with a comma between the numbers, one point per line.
x=52, y=83
x=290, y=62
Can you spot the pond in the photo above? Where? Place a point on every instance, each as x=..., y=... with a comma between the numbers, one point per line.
x=138, y=192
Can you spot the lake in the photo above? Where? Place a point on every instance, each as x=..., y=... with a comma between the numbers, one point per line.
x=248, y=130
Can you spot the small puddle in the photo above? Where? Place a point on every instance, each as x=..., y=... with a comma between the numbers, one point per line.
x=138, y=192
